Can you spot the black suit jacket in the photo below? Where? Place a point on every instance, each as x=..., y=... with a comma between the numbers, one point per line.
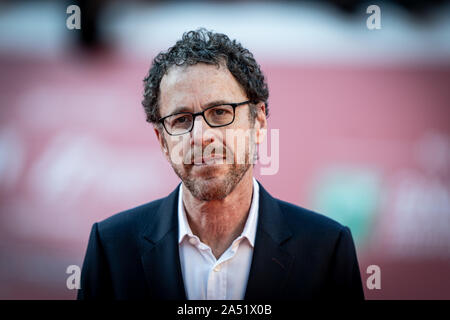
x=298, y=254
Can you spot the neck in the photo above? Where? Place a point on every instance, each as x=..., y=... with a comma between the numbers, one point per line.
x=218, y=222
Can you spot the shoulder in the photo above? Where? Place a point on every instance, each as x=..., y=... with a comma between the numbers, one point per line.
x=298, y=218
x=129, y=222
x=304, y=222
x=313, y=230
x=300, y=215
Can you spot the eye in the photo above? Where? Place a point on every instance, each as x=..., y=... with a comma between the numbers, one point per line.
x=221, y=111
x=179, y=120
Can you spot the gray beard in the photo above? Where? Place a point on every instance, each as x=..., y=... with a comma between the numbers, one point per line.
x=214, y=188
x=208, y=189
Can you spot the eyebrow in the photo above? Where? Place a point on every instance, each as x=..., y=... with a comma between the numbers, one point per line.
x=187, y=109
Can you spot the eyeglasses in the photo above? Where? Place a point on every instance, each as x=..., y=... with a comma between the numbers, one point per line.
x=215, y=116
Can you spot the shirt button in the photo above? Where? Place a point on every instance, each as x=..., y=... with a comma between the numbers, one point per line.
x=192, y=240
x=217, y=268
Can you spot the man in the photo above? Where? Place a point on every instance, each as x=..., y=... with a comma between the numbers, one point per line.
x=219, y=234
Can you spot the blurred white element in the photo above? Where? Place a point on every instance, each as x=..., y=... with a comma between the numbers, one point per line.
x=418, y=222
x=12, y=156
x=298, y=32
x=75, y=166
x=105, y=106
x=433, y=153
x=33, y=27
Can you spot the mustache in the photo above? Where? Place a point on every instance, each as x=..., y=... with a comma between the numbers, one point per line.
x=187, y=154
x=195, y=155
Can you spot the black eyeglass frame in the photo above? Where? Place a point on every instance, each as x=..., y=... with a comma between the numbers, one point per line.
x=202, y=113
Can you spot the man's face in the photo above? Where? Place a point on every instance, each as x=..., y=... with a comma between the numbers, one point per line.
x=211, y=165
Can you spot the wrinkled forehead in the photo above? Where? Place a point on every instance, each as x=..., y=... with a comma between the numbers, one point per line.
x=197, y=85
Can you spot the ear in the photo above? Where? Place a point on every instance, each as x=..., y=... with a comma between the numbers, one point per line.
x=162, y=142
x=260, y=123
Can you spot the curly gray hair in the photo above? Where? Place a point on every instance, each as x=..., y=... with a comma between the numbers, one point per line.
x=203, y=46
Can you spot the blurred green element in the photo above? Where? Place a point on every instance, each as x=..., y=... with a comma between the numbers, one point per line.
x=349, y=195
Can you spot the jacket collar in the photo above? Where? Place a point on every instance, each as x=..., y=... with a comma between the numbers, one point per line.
x=249, y=231
x=270, y=266
x=271, y=263
x=160, y=257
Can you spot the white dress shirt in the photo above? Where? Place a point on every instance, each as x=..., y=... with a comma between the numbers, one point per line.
x=206, y=277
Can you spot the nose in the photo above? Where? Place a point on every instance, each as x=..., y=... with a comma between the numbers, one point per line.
x=201, y=135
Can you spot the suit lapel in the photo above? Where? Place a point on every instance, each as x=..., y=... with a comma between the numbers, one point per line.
x=270, y=267
x=271, y=264
x=160, y=257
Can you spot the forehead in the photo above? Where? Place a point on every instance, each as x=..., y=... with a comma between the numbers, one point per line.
x=197, y=85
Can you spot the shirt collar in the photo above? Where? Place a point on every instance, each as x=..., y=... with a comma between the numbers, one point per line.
x=249, y=231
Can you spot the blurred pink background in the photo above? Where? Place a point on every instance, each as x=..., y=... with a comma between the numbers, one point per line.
x=363, y=120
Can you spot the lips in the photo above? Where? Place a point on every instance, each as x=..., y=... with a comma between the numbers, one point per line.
x=209, y=160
